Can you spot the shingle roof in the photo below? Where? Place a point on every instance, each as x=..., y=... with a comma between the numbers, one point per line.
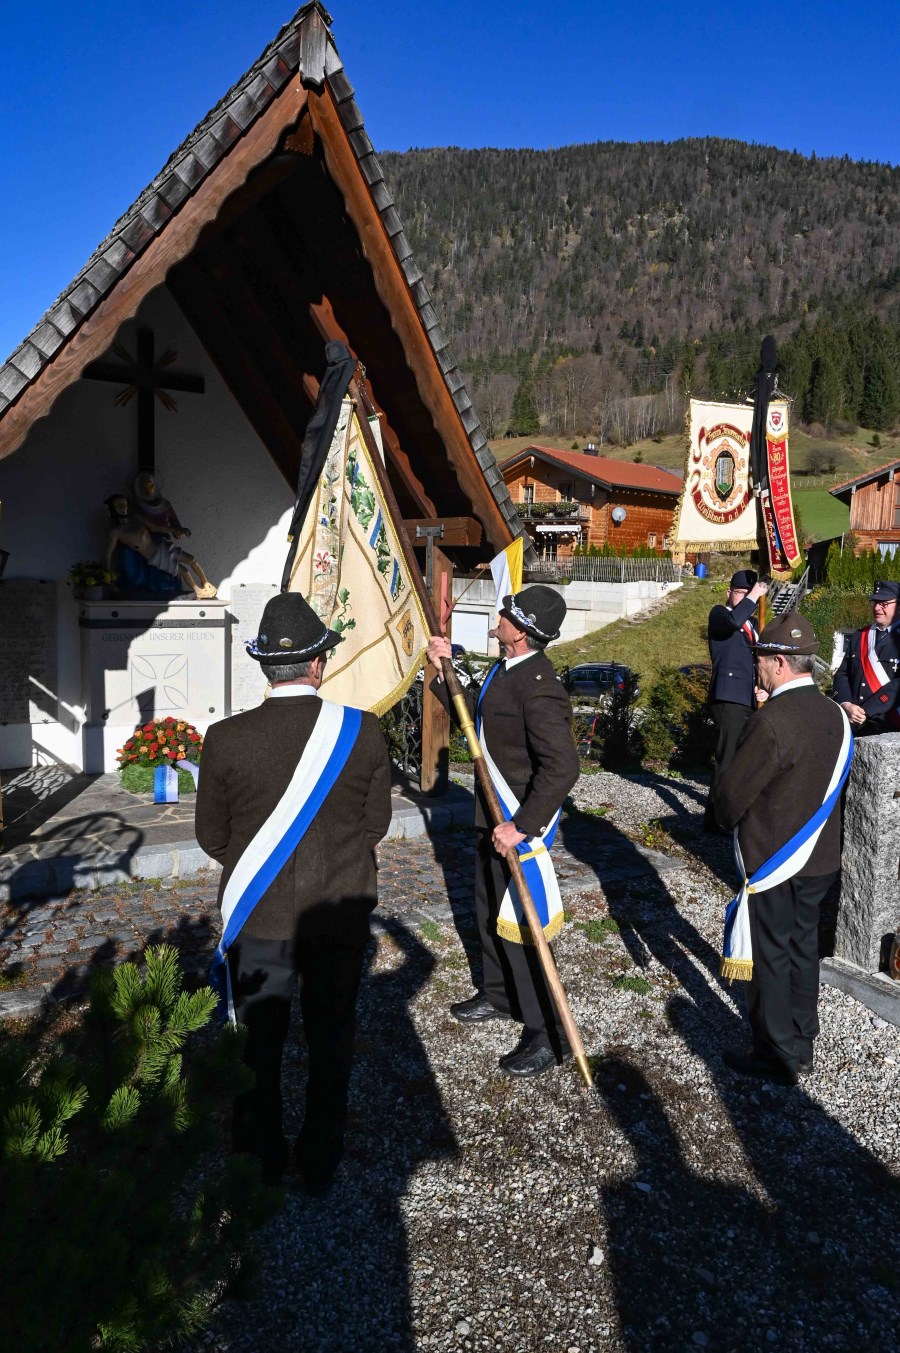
x=305, y=46
x=866, y=478
x=609, y=473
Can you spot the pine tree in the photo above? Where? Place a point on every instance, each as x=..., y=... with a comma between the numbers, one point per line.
x=523, y=420
x=880, y=403
x=111, y=1238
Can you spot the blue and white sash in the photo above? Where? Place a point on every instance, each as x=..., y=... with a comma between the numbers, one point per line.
x=534, y=856
x=737, y=951
x=324, y=757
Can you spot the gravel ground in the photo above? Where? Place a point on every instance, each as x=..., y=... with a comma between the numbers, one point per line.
x=671, y=1207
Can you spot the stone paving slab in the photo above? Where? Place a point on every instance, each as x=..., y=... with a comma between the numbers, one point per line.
x=48, y=945
x=68, y=831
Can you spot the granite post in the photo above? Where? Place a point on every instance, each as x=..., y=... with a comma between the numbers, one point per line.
x=869, y=907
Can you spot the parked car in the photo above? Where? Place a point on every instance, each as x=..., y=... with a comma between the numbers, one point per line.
x=696, y=671
x=591, y=680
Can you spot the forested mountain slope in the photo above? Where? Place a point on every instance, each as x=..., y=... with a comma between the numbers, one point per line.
x=570, y=248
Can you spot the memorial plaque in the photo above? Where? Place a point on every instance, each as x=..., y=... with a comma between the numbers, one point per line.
x=28, y=652
x=248, y=685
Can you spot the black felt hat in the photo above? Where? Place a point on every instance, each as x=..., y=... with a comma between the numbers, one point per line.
x=743, y=580
x=886, y=591
x=789, y=633
x=290, y=631
x=537, y=610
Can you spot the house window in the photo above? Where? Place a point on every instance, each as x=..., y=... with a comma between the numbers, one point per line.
x=651, y=541
x=887, y=548
x=548, y=546
x=528, y=493
x=565, y=493
x=896, y=503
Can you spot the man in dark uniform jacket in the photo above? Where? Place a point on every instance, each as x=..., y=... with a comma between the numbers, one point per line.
x=313, y=922
x=527, y=721
x=732, y=685
x=873, y=711
x=776, y=782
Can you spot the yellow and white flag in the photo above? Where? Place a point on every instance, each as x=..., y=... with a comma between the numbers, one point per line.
x=350, y=568
x=506, y=569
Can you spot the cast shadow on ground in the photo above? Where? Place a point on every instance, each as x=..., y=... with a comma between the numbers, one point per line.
x=70, y=862
x=808, y=1249
x=343, y=1275
x=649, y=921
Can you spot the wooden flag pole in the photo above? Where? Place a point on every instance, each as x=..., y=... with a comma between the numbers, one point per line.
x=458, y=699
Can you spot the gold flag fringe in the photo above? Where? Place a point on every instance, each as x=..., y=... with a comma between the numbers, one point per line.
x=736, y=969
x=382, y=706
x=521, y=934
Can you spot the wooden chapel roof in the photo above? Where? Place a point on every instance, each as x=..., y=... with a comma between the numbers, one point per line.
x=274, y=229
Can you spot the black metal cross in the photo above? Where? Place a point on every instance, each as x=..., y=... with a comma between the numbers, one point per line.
x=149, y=380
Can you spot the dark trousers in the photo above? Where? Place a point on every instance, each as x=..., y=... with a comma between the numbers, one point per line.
x=513, y=977
x=264, y=974
x=783, y=994
x=729, y=720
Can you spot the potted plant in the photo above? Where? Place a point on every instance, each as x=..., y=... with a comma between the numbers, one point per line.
x=161, y=742
x=89, y=579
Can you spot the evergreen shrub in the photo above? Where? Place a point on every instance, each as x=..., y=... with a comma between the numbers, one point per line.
x=118, y=1233
x=677, y=730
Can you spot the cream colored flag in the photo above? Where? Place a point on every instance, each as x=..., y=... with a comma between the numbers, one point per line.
x=717, y=510
x=351, y=570
x=506, y=569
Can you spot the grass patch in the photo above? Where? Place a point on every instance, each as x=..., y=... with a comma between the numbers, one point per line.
x=139, y=780
x=597, y=929
x=644, y=1013
x=823, y=516
x=640, y=985
x=670, y=637
x=431, y=931
x=602, y=810
x=10, y=978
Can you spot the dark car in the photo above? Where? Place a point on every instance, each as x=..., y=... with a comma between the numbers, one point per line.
x=696, y=671
x=591, y=680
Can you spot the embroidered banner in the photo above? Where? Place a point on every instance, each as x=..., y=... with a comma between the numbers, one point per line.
x=716, y=510
x=351, y=570
x=778, y=512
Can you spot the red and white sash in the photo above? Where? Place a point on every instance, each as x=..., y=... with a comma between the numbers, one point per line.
x=873, y=669
x=750, y=632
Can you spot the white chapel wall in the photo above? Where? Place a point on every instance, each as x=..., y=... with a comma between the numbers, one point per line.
x=210, y=463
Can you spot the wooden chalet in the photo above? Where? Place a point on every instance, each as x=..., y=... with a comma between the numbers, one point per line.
x=569, y=499
x=874, y=502
x=269, y=232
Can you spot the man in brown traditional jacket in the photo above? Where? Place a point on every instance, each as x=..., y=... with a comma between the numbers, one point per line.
x=312, y=923
x=774, y=785
x=528, y=727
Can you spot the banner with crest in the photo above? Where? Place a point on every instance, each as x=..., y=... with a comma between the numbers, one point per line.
x=718, y=509
x=350, y=568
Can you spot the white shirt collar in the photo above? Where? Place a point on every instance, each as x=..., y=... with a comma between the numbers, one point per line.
x=286, y=691
x=523, y=657
x=804, y=680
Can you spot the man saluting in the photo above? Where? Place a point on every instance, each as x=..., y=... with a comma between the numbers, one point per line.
x=293, y=797
x=867, y=683
x=731, y=635
x=524, y=721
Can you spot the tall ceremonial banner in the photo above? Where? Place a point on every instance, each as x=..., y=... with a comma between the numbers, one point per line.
x=350, y=568
x=718, y=509
x=777, y=510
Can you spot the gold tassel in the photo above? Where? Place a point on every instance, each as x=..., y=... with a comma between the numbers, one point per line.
x=736, y=969
x=521, y=934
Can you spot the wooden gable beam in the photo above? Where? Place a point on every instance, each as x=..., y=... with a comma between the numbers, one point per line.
x=298, y=293
x=395, y=295
x=236, y=361
x=173, y=243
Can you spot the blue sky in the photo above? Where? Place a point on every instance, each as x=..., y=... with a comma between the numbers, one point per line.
x=95, y=96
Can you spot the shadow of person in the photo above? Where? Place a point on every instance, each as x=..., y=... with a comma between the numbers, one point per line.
x=683, y=1250
x=833, y=1249
x=335, y=1271
x=633, y=881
